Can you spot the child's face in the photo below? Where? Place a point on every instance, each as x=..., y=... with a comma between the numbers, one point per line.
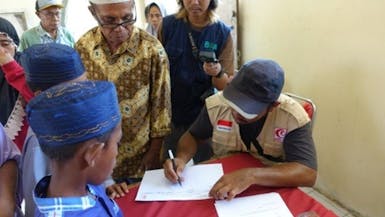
x=105, y=162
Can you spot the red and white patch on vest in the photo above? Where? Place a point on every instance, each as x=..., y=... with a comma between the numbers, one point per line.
x=224, y=125
x=279, y=134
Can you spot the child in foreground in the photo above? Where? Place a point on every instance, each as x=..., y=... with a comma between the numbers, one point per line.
x=78, y=128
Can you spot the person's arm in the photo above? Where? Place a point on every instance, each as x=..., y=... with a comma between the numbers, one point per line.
x=288, y=174
x=219, y=78
x=14, y=74
x=151, y=159
x=300, y=168
x=187, y=147
x=9, y=155
x=117, y=190
x=8, y=180
x=225, y=70
x=199, y=131
x=160, y=110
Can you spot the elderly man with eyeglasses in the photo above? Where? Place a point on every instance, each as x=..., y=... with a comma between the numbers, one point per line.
x=49, y=30
x=136, y=62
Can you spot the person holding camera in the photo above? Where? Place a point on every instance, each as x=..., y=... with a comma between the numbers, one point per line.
x=200, y=51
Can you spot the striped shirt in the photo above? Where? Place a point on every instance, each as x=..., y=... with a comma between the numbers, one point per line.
x=95, y=203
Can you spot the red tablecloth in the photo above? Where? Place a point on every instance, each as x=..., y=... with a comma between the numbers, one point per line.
x=296, y=200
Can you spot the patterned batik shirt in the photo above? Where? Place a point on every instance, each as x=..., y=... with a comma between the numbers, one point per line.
x=140, y=71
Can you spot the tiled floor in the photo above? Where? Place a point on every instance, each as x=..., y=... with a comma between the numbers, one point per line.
x=338, y=210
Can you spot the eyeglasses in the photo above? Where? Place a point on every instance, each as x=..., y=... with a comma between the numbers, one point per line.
x=124, y=24
x=112, y=25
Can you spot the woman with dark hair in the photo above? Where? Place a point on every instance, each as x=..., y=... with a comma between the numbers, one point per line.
x=13, y=90
x=201, y=55
x=12, y=117
x=154, y=13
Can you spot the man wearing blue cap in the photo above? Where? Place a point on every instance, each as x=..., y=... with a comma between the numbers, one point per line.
x=251, y=115
x=78, y=128
x=45, y=65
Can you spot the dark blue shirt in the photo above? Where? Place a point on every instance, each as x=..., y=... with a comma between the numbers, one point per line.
x=188, y=79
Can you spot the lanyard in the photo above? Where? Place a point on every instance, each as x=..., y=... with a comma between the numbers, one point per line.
x=194, y=48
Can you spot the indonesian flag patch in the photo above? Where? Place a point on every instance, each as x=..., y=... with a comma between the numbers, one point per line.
x=224, y=125
x=279, y=134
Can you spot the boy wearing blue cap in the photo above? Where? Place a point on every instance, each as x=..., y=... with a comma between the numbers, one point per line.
x=251, y=115
x=45, y=65
x=78, y=128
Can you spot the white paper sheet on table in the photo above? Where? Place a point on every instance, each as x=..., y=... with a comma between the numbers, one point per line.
x=198, y=180
x=262, y=205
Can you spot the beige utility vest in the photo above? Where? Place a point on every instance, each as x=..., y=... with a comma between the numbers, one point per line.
x=287, y=116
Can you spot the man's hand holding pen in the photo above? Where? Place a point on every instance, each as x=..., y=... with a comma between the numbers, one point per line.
x=174, y=173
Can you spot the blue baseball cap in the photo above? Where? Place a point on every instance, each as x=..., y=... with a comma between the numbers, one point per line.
x=257, y=84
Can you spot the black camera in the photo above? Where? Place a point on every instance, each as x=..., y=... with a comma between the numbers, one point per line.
x=208, y=56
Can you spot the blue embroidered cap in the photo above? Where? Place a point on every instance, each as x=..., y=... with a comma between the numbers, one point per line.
x=258, y=84
x=51, y=63
x=74, y=112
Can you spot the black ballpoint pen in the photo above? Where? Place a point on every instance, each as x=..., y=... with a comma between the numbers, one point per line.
x=174, y=165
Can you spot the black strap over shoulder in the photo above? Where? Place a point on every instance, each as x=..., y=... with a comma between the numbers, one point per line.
x=249, y=135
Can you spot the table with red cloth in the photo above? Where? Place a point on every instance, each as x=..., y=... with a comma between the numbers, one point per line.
x=296, y=200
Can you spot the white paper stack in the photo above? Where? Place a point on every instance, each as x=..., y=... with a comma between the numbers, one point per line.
x=262, y=205
x=198, y=180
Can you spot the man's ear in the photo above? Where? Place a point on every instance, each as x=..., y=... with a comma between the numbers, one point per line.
x=273, y=105
x=92, y=153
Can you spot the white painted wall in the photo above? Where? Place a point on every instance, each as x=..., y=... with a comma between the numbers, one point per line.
x=333, y=52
